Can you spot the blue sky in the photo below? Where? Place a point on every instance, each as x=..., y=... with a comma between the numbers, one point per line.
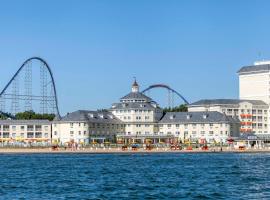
x=95, y=48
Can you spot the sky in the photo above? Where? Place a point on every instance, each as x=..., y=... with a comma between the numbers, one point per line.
x=96, y=47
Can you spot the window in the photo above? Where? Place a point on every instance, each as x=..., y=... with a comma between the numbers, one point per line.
x=229, y=111
x=71, y=125
x=22, y=135
x=13, y=128
x=30, y=135
x=46, y=128
x=46, y=135
x=186, y=126
x=13, y=135
x=211, y=132
x=169, y=125
x=5, y=135
x=71, y=133
x=22, y=128
x=55, y=132
x=30, y=128
x=177, y=125
x=79, y=132
x=5, y=127
x=38, y=127
x=84, y=132
x=38, y=135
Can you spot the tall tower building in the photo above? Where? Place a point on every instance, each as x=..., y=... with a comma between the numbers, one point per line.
x=254, y=84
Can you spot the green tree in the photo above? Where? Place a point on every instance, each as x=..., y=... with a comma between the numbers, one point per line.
x=27, y=115
x=180, y=108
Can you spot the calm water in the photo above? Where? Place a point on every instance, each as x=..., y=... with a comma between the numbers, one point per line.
x=140, y=176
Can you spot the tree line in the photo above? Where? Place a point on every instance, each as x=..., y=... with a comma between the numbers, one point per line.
x=180, y=108
x=27, y=115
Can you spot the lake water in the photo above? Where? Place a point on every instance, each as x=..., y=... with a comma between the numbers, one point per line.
x=135, y=176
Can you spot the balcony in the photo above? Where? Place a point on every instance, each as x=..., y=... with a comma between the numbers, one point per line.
x=246, y=115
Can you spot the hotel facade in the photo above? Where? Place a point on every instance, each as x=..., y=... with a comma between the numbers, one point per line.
x=31, y=131
x=254, y=83
x=136, y=118
x=253, y=114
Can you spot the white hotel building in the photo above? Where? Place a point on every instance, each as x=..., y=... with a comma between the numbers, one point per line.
x=136, y=118
x=139, y=119
x=32, y=131
x=254, y=83
x=253, y=114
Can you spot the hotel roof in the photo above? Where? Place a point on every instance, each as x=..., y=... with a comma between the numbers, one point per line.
x=25, y=122
x=136, y=95
x=90, y=116
x=197, y=117
x=254, y=69
x=225, y=102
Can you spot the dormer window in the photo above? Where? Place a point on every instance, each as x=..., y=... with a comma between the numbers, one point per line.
x=172, y=117
x=110, y=116
x=205, y=116
x=101, y=116
x=188, y=116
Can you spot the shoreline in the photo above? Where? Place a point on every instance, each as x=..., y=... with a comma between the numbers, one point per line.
x=120, y=151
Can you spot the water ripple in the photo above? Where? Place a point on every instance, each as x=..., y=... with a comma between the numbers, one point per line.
x=135, y=176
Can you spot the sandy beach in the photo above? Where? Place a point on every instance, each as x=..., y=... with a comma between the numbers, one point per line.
x=119, y=150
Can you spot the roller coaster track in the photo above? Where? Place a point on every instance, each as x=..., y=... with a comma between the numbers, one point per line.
x=165, y=87
x=50, y=73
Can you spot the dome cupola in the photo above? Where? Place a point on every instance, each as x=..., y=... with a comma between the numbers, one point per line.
x=135, y=86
